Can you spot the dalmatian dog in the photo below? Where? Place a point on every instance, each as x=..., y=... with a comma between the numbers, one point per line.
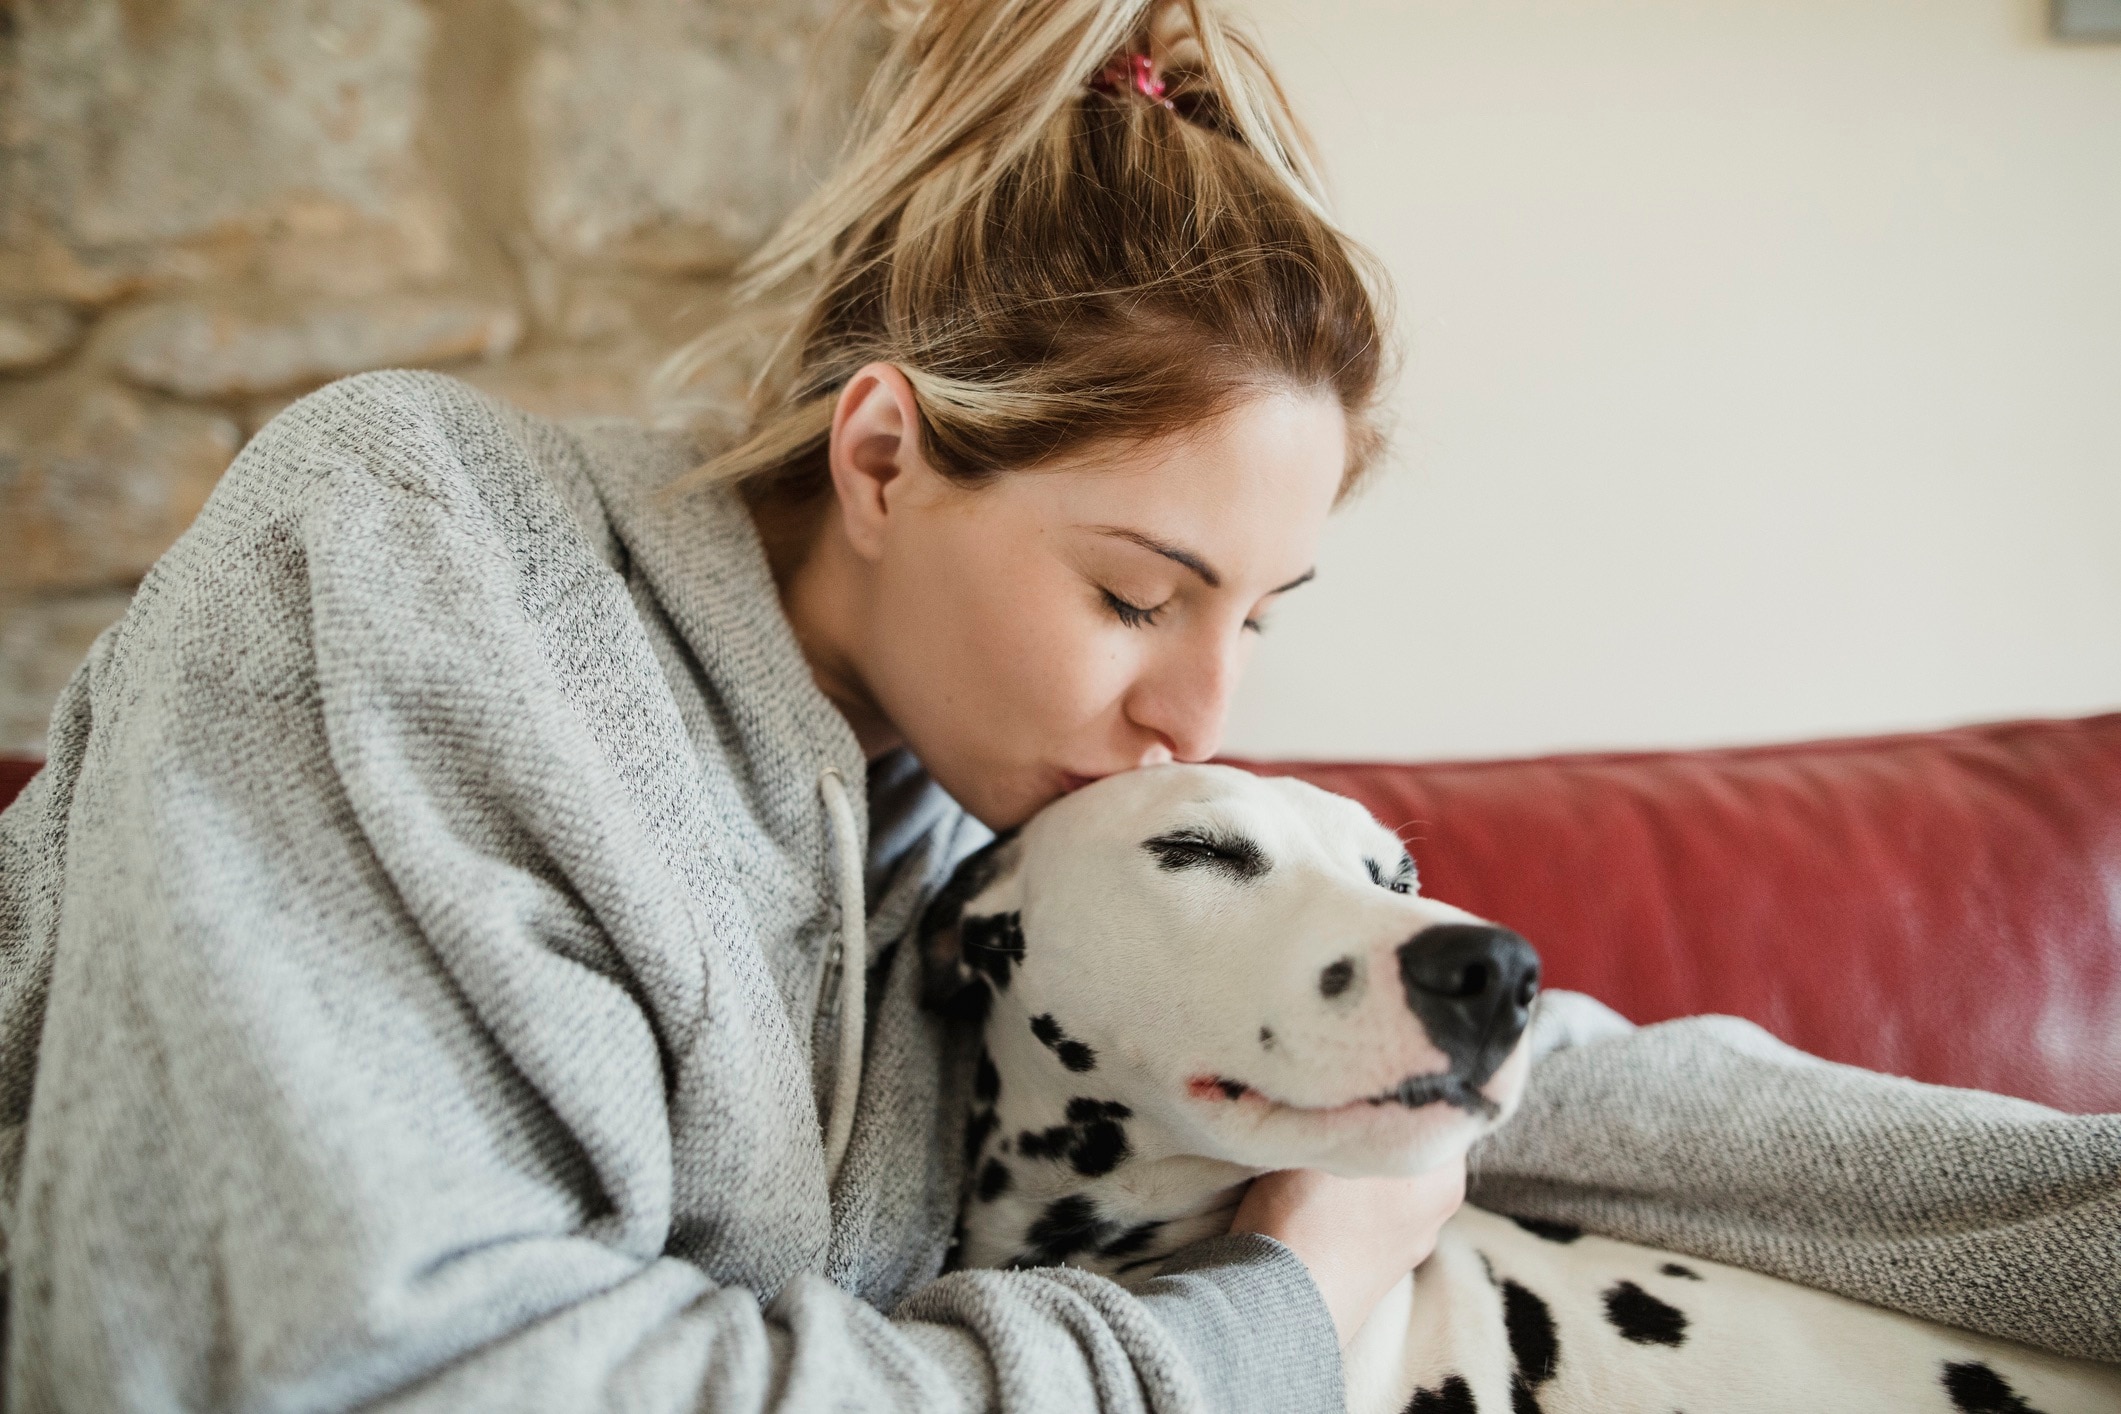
x=1189, y=975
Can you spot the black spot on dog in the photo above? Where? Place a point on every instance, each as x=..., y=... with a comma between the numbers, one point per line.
x=1103, y=1145
x=1977, y=1389
x=1133, y=1240
x=950, y=983
x=1073, y=1054
x=982, y=1124
x=994, y=1180
x=1232, y=1089
x=1533, y=1341
x=969, y=1005
x=1266, y=1038
x=1068, y=1226
x=1642, y=1318
x=1335, y=979
x=1234, y=855
x=1551, y=1231
x=1673, y=1269
x=1535, y=1347
x=1453, y=1396
x=986, y=1080
x=993, y=945
x=1093, y=1141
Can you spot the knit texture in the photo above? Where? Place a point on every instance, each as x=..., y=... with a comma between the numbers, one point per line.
x=415, y=982
x=1708, y=1135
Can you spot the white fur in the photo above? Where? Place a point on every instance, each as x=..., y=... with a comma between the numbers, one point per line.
x=1169, y=976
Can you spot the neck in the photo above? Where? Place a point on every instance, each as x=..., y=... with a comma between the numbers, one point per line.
x=1061, y=1175
x=823, y=590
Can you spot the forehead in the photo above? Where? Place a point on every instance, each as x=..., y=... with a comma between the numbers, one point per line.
x=1285, y=817
x=1249, y=488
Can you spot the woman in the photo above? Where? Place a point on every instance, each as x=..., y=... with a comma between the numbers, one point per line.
x=438, y=972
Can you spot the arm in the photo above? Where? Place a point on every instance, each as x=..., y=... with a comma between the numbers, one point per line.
x=1708, y=1135
x=363, y=1042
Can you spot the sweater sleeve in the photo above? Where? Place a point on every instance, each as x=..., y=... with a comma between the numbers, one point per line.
x=359, y=1038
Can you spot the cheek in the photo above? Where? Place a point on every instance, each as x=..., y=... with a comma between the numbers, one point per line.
x=982, y=634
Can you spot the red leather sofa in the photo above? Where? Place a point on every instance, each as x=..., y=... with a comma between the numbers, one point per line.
x=1945, y=906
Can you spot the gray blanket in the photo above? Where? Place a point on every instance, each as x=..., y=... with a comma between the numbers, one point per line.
x=1709, y=1136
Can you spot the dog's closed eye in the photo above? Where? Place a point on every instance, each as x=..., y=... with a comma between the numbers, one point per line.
x=1399, y=881
x=1230, y=854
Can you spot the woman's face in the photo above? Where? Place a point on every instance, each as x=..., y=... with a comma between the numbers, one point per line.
x=1086, y=617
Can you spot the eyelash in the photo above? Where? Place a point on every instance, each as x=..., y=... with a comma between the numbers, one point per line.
x=1132, y=615
x=1135, y=616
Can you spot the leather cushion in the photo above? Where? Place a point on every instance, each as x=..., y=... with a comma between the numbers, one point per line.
x=1945, y=906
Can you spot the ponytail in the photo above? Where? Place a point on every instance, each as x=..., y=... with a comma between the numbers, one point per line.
x=1051, y=261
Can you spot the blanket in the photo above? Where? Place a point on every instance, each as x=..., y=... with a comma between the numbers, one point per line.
x=1708, y=1136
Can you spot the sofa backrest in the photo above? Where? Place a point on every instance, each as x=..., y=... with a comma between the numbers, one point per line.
x=15, y=772
x=1945, y=906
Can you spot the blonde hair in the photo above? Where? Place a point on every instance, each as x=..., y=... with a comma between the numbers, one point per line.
x=1051, y=263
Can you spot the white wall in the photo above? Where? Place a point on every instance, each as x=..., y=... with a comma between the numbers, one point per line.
x=1764, y=374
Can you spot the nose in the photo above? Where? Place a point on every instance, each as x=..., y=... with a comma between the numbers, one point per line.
x=1471, y=985
x=1183, y=701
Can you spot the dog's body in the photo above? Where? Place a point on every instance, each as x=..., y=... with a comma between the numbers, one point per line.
x=1190, y=976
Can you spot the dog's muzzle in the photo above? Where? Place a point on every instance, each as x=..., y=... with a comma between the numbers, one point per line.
x=1471, y=985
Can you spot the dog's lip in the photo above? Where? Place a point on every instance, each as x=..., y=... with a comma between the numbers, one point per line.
x=1415, y=1092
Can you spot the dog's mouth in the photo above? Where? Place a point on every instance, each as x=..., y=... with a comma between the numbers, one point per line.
x=1420, y=1091
x=1416, y=1092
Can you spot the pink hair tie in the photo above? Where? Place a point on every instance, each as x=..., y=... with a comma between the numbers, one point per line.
x=1137, y=71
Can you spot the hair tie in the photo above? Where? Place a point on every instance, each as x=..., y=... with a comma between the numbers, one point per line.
x=1137, y=71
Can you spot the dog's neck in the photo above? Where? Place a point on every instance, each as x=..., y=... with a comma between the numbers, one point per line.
x=1059, y=1173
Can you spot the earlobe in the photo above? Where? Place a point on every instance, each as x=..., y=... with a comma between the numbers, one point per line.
x=872, y=443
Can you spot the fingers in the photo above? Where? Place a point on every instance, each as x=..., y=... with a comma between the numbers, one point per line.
x=1356, y=1236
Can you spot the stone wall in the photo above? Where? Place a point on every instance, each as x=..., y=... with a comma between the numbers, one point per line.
x=210, y=207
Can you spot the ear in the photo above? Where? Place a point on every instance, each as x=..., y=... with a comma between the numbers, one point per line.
x=875, y=442
x=976, y=913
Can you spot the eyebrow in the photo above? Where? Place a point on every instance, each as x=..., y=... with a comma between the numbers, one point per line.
x=1181, y=555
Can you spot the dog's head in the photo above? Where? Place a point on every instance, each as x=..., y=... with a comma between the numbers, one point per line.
x=1244, y=968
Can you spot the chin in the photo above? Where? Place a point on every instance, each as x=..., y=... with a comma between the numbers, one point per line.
x=1000, y=799
x=1361, y=1140
x=1032, y=791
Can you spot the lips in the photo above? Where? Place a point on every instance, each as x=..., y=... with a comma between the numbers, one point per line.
x=1419, y=1091
x=1414, y=1093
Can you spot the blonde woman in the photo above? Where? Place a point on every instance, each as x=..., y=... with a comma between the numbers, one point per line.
x=452, y=953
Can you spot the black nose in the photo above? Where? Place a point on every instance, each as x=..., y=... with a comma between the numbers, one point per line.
x=1472, y=985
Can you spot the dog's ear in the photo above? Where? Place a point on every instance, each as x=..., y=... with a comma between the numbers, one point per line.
x=978, y=906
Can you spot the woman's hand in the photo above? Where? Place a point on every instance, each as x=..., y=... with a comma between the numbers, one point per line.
x=1357, y=1235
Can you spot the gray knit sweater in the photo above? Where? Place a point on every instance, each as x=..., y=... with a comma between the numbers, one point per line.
x=416, y=982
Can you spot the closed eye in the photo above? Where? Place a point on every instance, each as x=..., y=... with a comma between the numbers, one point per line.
x=1131, y=614
x=1399, y=881
x=1230, y=854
